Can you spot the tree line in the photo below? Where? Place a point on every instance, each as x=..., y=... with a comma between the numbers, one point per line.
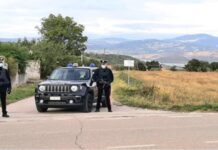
x=201, y=66
x=16, y=57
x=141, y=65
x=61, y=42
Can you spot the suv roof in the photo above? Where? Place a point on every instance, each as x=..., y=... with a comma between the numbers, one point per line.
x=81, y=67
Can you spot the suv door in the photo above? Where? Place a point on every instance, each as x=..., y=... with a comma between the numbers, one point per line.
x=94, y=86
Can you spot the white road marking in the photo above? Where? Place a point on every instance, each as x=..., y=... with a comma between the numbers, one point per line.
x=132, y=146
x=211, y=142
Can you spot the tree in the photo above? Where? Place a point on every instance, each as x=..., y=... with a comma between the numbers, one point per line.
x=197, y=66
x=61, y=43
x=204, y=66
x=193, y=65
x=141, y=66
x=153, y=65
x=26, y=43
x=49, y=55
x=214, y=66
x=20, y=55
x=64, y=31
x=173, y=68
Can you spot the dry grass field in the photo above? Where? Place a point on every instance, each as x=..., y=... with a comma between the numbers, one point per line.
x=180, y=91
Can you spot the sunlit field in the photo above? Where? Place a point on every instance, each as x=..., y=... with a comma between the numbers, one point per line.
x=185, y=91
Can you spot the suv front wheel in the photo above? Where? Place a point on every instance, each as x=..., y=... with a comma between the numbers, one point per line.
x=41, y=109
x=88, y=103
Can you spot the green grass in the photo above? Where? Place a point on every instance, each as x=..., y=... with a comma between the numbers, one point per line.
x=148, y=95
x=21, y=92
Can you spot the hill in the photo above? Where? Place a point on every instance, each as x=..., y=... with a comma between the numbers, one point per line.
x=8, y=39
x=113, y=59
x=175, y=50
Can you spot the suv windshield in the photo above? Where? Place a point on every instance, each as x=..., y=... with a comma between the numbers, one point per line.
x=70, y=74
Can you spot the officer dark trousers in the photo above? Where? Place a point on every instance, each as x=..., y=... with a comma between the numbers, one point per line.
x=3, y=101
x=107, y=90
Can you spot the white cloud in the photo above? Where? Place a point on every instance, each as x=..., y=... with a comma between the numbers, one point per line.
x=114, y=17
x=196, y=14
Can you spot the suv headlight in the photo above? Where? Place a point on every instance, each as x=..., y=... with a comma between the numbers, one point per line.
x=74, y=88
x=42, y=88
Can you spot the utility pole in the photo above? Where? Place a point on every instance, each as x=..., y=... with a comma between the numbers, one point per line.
x=128, y=75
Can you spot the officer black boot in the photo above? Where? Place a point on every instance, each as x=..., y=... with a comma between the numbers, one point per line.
x=5, y=116
x=97, y=110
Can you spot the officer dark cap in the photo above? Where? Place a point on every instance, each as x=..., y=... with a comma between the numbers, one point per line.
x=103, y=61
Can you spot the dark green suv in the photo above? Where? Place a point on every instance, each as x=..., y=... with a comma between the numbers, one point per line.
x=67, y=87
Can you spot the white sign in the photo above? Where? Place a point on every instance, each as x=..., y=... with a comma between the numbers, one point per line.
x=129, y=63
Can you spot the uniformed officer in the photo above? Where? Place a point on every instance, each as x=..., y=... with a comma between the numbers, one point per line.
x=5, y=87
x=104, y=77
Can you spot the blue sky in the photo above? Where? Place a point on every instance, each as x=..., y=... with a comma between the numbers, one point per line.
x=132, y=19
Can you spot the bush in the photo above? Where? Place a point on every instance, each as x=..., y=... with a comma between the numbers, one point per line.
x=153, y=65
x=197, y=66
x=141, y=66
x=13, y=51
x=173, y=68
x=12, y=66
x=214, y=66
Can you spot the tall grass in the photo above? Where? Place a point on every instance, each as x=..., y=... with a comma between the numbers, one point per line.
x=21, y=92
x=179, y=91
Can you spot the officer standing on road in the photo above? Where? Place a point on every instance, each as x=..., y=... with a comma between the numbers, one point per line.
x=104, y=77
x=5, y=87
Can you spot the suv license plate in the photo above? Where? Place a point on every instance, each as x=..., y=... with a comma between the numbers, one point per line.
x=55, y=98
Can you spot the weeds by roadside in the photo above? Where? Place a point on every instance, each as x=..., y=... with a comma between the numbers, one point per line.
x=159, y=94
x=21, y=92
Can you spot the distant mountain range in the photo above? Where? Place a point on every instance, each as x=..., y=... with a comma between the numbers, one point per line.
x=175, y=50
x=8, y=39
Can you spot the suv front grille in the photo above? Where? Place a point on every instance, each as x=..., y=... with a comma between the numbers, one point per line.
x=57, y=88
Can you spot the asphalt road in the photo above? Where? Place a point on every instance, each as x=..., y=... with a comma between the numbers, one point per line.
x=125, y=128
